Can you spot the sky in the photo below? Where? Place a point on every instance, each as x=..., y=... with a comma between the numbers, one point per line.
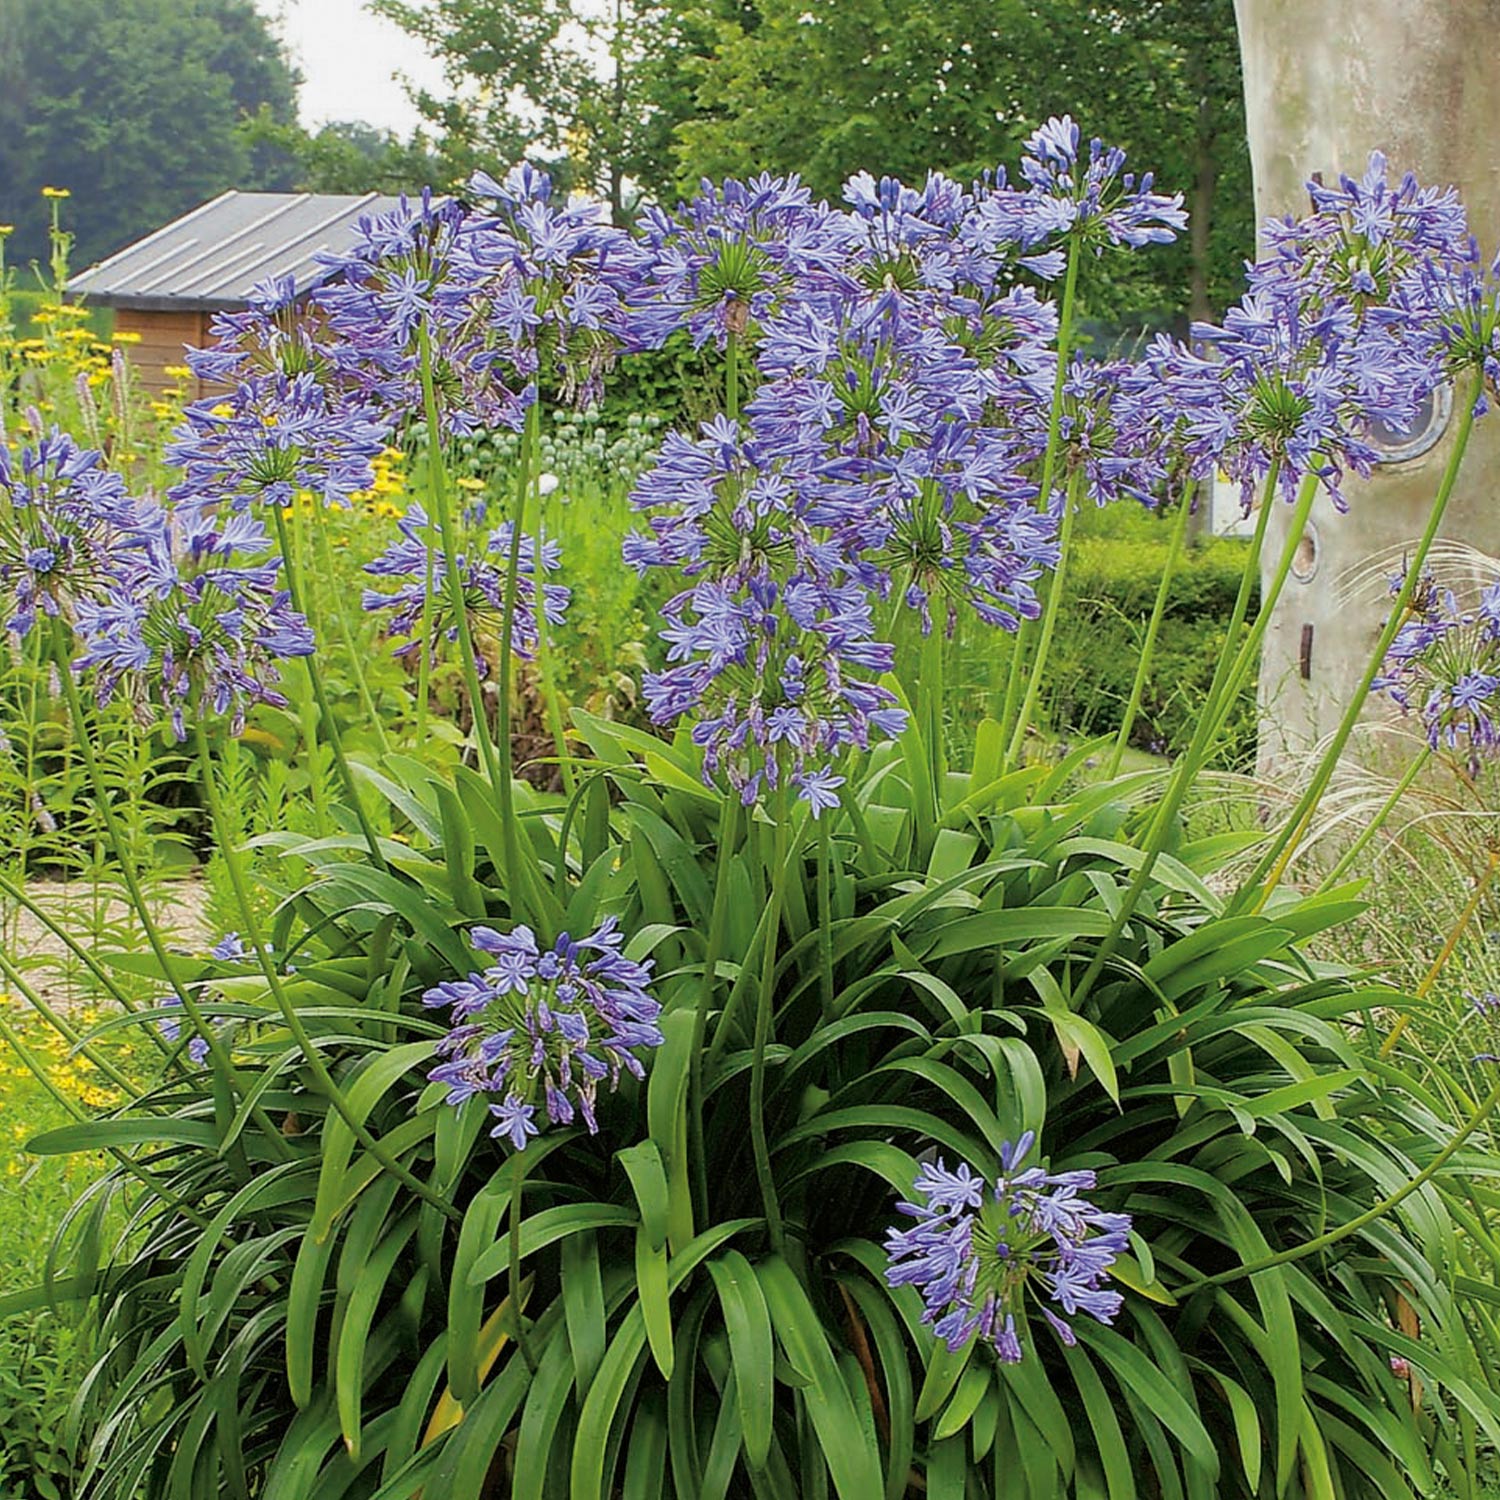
x=349, y=61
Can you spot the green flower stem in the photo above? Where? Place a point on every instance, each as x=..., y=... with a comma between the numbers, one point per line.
x=732, y=375
x=1229, y=677
x=544, y=663
x=1390, y=804
x=930, y=698
x=1021, y=642
x=1392, y=1201
x=1049, y=619
x=101, y=976
x=311, y=1057
x=763, y=1019
x=729, y=834
x=825, y=921
x=1148, y=646
x=517, y=873
x=1272, y=865
x=311, y=720
x=32, y=667
x=146, y=1178
x=223, y=1062
x=65, y=1029
x=424, y=656
x=437, y=489
x=513, y=1268
x=325, y=710
x=346, y=632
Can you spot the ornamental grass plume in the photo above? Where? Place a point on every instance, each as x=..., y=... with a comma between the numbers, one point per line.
x=982, y=1247
x=545, y=1028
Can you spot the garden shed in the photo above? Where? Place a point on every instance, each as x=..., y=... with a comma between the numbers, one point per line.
x=166, y=288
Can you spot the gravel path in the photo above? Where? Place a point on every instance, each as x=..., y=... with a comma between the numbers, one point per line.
x=82, y=908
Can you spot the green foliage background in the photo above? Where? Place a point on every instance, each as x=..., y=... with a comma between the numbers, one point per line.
x=135, y=106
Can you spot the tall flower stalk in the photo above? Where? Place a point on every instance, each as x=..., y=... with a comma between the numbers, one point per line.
x=1153, y=629
x=1017, y=703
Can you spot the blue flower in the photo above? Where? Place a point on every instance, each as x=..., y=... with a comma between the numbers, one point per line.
x=62, y=515
x=416, y=556
x=271, y=437
x=981, y=1248
x=1444, y=664
x=544, y=1028
x=188, y=621
x=1096, y=200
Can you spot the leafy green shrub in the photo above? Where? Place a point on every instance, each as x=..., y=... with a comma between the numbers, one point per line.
x=1109, y=592
x=314, y=1328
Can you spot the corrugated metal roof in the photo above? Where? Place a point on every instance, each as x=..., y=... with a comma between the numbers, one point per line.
x=212, y=257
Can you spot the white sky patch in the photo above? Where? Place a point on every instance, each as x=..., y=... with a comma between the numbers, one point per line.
x=352, y=63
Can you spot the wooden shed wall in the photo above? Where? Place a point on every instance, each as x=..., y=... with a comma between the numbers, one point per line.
x=163, y=340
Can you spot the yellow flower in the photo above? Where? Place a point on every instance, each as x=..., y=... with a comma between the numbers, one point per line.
x=470, y=484
x=6, y=229
x=177, y=372
x=223, y=409
x=125, y=336
x=56, y=192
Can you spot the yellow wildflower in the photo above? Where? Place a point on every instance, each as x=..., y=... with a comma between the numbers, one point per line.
x=473, y=485
x=177, y=372
x=56, y=192
x=125, y=336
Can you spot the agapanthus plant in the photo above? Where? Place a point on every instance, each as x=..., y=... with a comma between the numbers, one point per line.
x=61, y=517
x=545, y=1028
x=1444, y=667
x=771, y=650
x=725, y=261
x=1096, y=199
x=273, y=437
x=983, y=1251
x=194, y=621
x=414, y=558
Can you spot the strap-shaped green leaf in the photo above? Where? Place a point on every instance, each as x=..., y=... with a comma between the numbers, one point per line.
x=852, y=1459
x=748, y=1324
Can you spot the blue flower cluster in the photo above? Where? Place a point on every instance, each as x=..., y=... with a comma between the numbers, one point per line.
x=61, y=512
x=897, y=448
x=545, y=1027
x=887, y=459
x=176, y=607
x=1348, y=321
x=1444, y=665
x=189, y=622
x=415, y=557
x=980, y=1247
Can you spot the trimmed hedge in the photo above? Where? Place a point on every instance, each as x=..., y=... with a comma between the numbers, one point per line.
x=1111, y=588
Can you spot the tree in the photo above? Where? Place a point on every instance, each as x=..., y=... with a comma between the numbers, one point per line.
x=134, y=106
x=655, y=96
x=348, y=156
x=829, y=87
x=578, y=86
